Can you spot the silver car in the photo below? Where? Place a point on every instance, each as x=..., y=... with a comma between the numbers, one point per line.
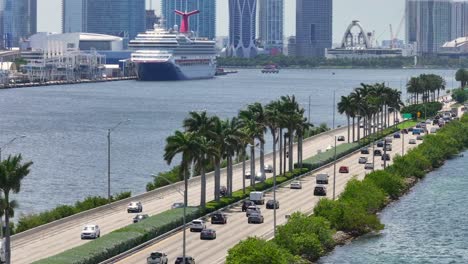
x=135, y=207
x=197, y=225
x=90, y=231
x=255, y=218
x=363, y=160
x=369, y=166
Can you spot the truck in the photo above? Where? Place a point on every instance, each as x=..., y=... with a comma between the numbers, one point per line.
x=257, y=197
x=321, y=178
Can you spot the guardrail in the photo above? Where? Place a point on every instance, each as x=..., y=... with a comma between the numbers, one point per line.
x=143, y=196
x=266, y=236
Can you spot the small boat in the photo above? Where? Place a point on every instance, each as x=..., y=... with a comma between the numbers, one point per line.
x=221, y=72
x=271, y=68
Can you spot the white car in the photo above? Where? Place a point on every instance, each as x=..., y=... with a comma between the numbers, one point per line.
x=296, y=185
x=197, y=225
x=90, y=231
x=135, y=207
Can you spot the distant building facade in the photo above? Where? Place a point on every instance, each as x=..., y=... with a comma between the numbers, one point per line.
x=73, y=18
x=125, y=18
x=428, y=24
x=271, y=23
x=151, y=19
x=313, y=27
x=242, y=28
x=19, y=21
x=202, y=24
x=459, y=19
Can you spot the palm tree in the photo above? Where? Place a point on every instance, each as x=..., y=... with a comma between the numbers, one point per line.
x=12, y=172
x=345, y=106
x=201, y=124
x=273, y=118
x=302, y=126
x=232, y=138
x=292, y=118
x=217, y=137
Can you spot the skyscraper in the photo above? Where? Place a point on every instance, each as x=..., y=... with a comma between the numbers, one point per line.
x=19, y=21
x=313, y=27
x=124, y=18
x=242, y=28
x=459, y=19
x=428, y=24
x=73, y=15
x=271, y=25
x=202, y=24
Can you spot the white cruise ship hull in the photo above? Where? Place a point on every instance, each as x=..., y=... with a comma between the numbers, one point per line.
x=169, y=71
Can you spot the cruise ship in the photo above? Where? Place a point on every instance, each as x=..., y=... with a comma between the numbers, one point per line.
x=169, y=55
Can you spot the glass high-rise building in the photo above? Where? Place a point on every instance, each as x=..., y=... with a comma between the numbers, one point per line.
x=242, y=28
x=125, y=18
x=459, y=19
x=202, y=24
x=313, y=27
x=271, y=25
x=19, y=21
x=428, y=24
x=73, y=15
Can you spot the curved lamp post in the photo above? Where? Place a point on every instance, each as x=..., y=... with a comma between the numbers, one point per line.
x=109, y=156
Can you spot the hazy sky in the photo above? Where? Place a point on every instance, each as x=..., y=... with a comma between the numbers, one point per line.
x=375, y=15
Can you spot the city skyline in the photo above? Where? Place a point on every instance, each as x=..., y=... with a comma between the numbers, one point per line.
x=385, y=13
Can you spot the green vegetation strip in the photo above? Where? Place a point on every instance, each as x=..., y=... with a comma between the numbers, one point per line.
x=128, y=237
x=305, y=238
x=30, y=221
x=123, y=239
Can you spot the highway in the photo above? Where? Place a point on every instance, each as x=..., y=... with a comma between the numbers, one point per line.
x=237, y=228
x=65, y=234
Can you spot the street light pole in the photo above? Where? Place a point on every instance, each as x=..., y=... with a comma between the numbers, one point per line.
x=109, y=157
x=309, y=110
x=334, y=172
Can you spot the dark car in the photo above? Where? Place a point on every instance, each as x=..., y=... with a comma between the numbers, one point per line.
x=208, y=234
x=246, y=204
x=344, y=169
x=377, y=152
x=188, y=260
x=404, y=131
x=364, y=150
x=385, y=157
x=410, y=129
x=419, y=138
x=396, y=135
x=218, y=218
x=139, y=217
x=435, y=122
x=223, y=190
x=271, y=204
x=157, y=258
x=380, y=144
x=320, y=190
x=341, y=138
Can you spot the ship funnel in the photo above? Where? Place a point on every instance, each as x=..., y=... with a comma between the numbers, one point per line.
x=184, y=27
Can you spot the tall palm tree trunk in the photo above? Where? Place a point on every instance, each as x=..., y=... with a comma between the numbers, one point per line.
x=284, y=154
x=300, y=145
x=230, y=176
x=280, y=138
x=252, y=165
x=347, y=117
x=291, y=156
x=203, y=185
x=359, y=128
x=7, y=230
x=354, y=129
x=262, y=157
x=244, y=154
x=217, y=178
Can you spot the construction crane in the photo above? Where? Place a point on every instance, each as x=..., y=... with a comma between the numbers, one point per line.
x=394, y=38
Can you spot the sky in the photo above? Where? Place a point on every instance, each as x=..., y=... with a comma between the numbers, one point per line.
x=375, y=15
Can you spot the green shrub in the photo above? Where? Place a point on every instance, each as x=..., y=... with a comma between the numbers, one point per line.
x=255, y=250
x=427, y=109
x=364, y=193
x=305, y=236
x=392, y=184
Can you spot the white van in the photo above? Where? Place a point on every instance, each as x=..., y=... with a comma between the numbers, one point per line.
x=321, y=178
x=257, y=197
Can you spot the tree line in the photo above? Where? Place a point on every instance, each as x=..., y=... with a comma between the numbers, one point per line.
x=208, y=138
x=425, y=87
x=371, y=103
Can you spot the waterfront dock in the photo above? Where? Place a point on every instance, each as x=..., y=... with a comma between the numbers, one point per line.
x=64, y=82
